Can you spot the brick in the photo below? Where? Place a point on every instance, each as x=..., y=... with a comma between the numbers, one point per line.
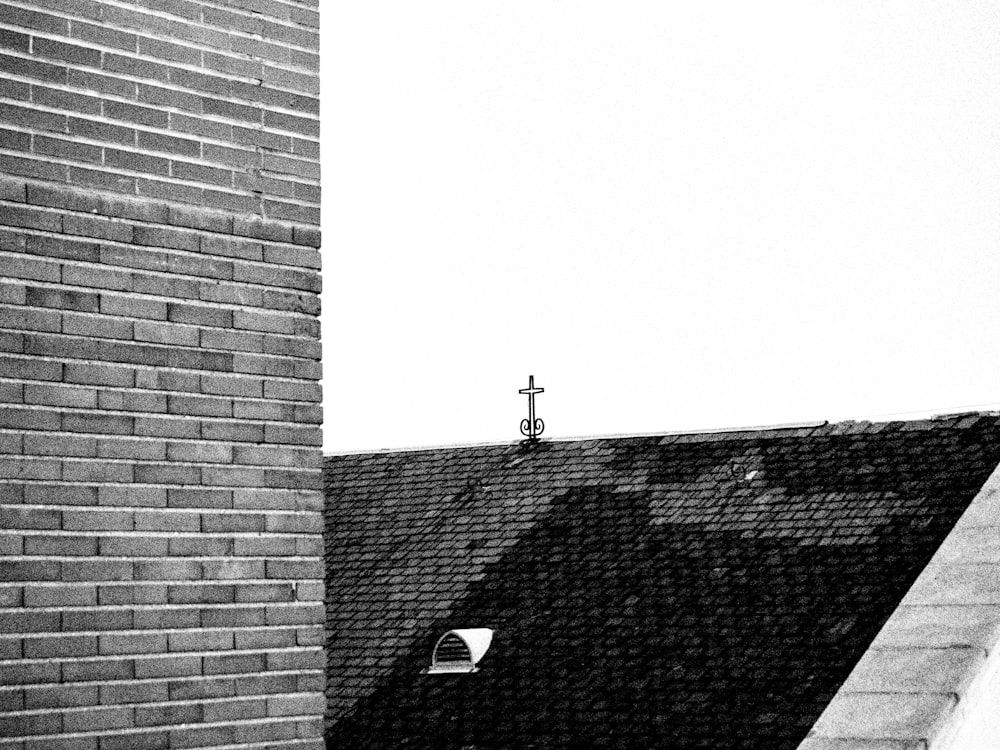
x=165, y=237
x=136, y=741
x=302, y=704
x=201, y=173
x=100, y=327
x=102, y=179
x=60, y=395
x=185, y=713
x=132, y=594
x=136, y=401
x=232, y=386
x=264, y=546
x=33, y=69
x=30, y=368
x=201, y=546
x=208, y=221
x=67, y=52
x=36, y=269
x=67, y=149
x=265, y=638
x=11, y=726
x=262, y=230
x=95, y=671
x=169, y=144
x=203, y=737
x=263, y=592
x=167, y=51
x=166, y=570
x=91, y=520
x=199, y=498
x=232, y=294
x=154, y=497
x=60, y=545
x=132, y=307
x=88, y=80
x=200, y=406
x=156, y=619
x=266, y=683
x=29, y=468
x=200, y=453
x=93, y=719
x=135, y=161
x=232, y=476
x=147, y=450
x=44, y=170
x=88, y=374
x=234, y=663
x=202, y=688
x=63, y=445
x=51, y=345
x=95, y=471
x=168, y=427
x=170, y=666
x=292, y=435
x=165, y=380
x=246, y=708
x=98, y=570
x=161, y=521
x=139, y=354
x=166, y=474
x=264, y=410
x=108, y=424
x=28, y=570
x=133, y=643
x=28, y=419
x=201, y=640
x=60, y=494
x=61, y=696
x=134, y=692
x=200, y=360
x=135, y=67
x=103, y=35
x=201, y=594
x=101, y=131
x=306, y=257
x=261, y=364
x=133, y=546
x=29, y=622
x=178, y=312
x=30, y=518
x=92, y=226
x=60, y=646
x=233, y=617
x=58, y=247
x=308, y=304
x=99, y=277
x=199, y=126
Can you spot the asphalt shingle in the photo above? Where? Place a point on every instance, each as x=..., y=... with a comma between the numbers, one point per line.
x=703, y=591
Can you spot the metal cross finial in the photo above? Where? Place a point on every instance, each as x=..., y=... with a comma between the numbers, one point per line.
x=532, y=427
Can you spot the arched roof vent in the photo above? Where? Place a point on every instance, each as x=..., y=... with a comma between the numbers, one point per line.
x=459, y=651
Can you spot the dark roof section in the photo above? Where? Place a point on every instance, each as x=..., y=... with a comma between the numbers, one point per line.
x=706, y=590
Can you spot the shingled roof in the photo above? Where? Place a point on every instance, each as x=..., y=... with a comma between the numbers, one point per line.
x=713, y=590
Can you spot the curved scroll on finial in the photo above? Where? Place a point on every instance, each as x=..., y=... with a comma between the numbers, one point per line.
x=526, y=428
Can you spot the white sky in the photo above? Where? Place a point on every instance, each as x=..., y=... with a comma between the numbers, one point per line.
x=675, y=215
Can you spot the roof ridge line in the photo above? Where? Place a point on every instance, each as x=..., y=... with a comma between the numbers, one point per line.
x=925, y=416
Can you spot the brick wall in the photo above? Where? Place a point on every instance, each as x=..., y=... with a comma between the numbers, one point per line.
x=160, y=528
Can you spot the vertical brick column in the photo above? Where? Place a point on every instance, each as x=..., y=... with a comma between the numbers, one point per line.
x=161, y=582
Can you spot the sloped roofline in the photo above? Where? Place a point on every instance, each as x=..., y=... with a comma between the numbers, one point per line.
x=846, y=426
